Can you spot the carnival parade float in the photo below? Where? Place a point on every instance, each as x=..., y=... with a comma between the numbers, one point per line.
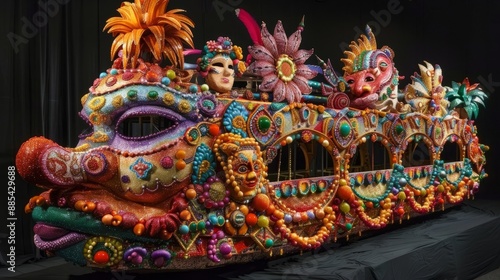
x=180, y=174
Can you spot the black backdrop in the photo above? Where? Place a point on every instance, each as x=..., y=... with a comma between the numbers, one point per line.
x=52, y=50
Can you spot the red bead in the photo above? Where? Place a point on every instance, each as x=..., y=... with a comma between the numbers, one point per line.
x=214, y=130
x=251, y=219
x=101, y=257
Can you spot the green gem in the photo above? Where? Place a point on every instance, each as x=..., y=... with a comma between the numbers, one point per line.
x=399, y=129
x=348, y=226
x=132, y=94
x=193, y=227
x=153, y=95
x=220, y=221
x=345, y=129
x=269, y=243
x=264, y=124
x=201, y=225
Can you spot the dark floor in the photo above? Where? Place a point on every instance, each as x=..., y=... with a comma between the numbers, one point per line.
x=459, y=243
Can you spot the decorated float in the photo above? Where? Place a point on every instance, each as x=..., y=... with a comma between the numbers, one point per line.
x=177, y=174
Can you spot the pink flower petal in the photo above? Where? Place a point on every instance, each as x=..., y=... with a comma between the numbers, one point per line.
x=261, y=68
x=269, y=82
x=279, y=91
x=302, y=84
x=280, y=37
x=293, y=93
x=304, y=71
x=293, y=42
x=268, y=41
x=300, y=56
x=260, y=53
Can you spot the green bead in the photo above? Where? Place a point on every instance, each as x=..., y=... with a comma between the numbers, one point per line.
x=153, y=95
x=264, y=124
x=345, y=129
x=220, y=220
x=348, y=226
x=201, y=225
x=132, y=94
x=192, y=227
x=268, y=243
x=399, y=129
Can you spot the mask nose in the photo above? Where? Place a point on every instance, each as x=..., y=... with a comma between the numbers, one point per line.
x=43, y=162
x=28, y=160
x=361, y=88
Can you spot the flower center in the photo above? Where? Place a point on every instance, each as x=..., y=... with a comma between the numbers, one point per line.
x=286, y=68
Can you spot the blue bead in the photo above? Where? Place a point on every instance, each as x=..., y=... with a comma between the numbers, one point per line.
x=183, y=229
x=165, y=81
x=193, y=88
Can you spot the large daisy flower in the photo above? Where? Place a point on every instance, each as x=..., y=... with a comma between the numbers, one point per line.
x=281, y=64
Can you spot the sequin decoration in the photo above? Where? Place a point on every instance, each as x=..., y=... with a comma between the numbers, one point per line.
x=94, y=163
x=141, y=168
x=235, y=119
x=343, y=132
x=261, y=126
x=192, y=135
x=203, y=164
x=207, y=105
x=271, y=154
x=398, y=131
x=437, y=132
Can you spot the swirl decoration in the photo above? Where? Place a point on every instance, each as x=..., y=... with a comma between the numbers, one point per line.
x=235, y=119
x=338, y=100
x=207, y=105
x=203, y=164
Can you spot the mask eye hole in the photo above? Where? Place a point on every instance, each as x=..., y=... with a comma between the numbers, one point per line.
x=145, y=122
x=143, y=126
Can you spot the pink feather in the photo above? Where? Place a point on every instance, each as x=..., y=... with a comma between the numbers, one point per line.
x=250, y=24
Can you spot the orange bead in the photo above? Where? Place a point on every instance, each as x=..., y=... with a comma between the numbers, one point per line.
x=107, y=219
x=304, y=217
x=88, y=207
x=139, y=229
x=79, y=205
x=117, y=220
x=180, y=164
x=190, y=194
x=345, y=193
x=270, y=210
x=278, y=214
x=181, y=154
x=261, y=202
x=185, y=215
